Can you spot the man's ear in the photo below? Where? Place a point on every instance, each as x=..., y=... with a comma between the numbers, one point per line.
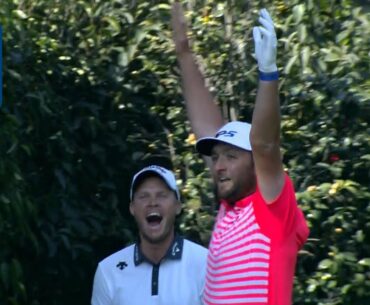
x=178, y=208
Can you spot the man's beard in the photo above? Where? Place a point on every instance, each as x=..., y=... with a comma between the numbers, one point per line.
x=232, y=196
x=219, y=198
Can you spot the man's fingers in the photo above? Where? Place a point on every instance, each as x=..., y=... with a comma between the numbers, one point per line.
x=257, y=36
x=268, y=36
x=264, y=32
x=267, y=24
x=265, y=14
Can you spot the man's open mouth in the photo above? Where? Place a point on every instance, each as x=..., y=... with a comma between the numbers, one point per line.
x=154, y=218
x=223, y=180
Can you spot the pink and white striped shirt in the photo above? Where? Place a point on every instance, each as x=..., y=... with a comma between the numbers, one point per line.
x=253, y=250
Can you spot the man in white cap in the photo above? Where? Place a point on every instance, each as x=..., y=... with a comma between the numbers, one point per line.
x=259, y=228
x=162, y=268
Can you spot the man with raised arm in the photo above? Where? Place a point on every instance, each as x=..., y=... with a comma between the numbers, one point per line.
x=259, y=228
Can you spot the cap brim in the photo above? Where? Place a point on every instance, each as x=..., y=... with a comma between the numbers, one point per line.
x=204, y=146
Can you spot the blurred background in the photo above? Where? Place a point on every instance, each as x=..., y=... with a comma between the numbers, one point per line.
x=92, y=94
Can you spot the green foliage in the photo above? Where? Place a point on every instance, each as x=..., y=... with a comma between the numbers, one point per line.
x=92, y=93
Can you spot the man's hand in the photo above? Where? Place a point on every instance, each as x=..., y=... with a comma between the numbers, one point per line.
x=179, y=28
x=265, y=43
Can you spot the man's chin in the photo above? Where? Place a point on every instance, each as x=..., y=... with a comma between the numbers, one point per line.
x=230, y=196
x=154, y=240
x=226, y=196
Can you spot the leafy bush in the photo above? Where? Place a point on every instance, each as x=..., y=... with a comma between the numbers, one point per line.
x=92, y=93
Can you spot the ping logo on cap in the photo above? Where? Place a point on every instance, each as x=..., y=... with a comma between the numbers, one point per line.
x=226, y=133
x=235, y=133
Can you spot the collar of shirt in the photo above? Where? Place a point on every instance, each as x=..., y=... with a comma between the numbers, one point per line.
x=174, y=251
x=242, y=203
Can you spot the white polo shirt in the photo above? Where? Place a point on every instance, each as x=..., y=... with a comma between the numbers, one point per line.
x=128, y=278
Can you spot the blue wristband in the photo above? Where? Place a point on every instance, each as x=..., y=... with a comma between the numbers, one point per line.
x=269, y=76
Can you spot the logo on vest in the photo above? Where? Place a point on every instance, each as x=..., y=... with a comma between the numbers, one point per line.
x=122, y=265
x=175, y=249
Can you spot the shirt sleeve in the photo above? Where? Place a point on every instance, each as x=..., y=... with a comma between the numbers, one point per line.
x=279, y=217
x=100, y=294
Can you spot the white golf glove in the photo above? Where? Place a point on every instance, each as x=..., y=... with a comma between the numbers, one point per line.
x=265, y=43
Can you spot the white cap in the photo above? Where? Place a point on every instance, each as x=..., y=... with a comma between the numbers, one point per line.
x=162, y=172
x=235, y=133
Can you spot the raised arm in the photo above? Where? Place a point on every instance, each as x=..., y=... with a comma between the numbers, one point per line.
x=203, y=113
x=265, y=132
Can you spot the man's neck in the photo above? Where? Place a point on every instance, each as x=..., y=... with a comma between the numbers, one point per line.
x=233, y=201
x=156, y=251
